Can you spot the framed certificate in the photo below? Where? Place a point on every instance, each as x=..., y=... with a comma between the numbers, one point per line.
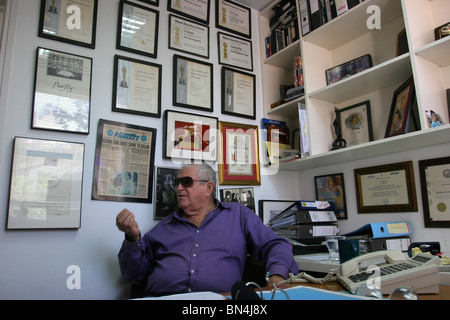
x=137, y=30
x=331, y=188
x=192, y=83
x=435, y=185
x=137, y=87
x=152, y=2
x=62, y=92
x=356, y=123
x=238, y=154
x=234, y=18
x=189, y=37
x=116, y=177
x=46, y=185
x=190, y=136
x=69, y=21
x=238, y=93
x=235, y=52
x=197, y=10
x=386, y=188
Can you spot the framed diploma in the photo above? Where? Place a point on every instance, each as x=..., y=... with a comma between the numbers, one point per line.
x=435, y=185
x=165, y=192
x=234, y=18
x=190, y=136
x=235, y=52
x=401, y=112
x=238, y=154
x=386, y=188
x=124, y=158
x=238, y=93
x=189, y=37
x=46, y=185
x=137, y=30
x=137, y=87
x=331, y=188
x=356, y=123
x=152, y=2
x=70, y=21
x=197, y=10
x=192, y=83
x=62, y=92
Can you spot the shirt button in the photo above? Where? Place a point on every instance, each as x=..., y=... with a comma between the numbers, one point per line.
x=192, y=271
x=198, y=231
x=194, y=255
x=196, y=245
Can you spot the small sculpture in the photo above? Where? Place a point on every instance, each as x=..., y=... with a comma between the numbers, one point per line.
x=339, y=143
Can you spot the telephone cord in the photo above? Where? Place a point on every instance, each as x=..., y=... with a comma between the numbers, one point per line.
x=304, y=277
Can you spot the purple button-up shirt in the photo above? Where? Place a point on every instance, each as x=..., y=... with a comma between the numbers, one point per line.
x=176, y=256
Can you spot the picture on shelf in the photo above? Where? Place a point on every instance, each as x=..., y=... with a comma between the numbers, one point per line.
x=434, y=119
x=348, y=69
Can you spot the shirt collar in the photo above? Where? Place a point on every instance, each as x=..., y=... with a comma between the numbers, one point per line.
x=178, y=214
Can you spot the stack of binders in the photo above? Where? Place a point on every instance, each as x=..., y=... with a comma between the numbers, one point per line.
x=306, y=222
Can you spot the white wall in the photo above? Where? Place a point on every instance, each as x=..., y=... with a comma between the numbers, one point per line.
x=33, y=264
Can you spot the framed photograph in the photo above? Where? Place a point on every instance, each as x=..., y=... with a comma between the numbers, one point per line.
x=137, y=87
x=331, y=188
x=245, y=196
x=137, y=30
x=435, y=186
x=193, y=84
x=62, y=92
x=152, y=2
x=348, y=69
x=46, y=185
x=165, y=192
x=268, y=209
x=68, y=21
x=198, y=10
x=402, y=43
x=190, y=136
x=356, y=123
x=386, y=188
x=238, y=154
x=116, y=177
x=235, y=52
x=188, y=36
x=400, y=115
x=238, y=93
x=234, y=17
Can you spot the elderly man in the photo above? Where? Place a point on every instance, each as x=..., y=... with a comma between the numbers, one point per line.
x=202, y=246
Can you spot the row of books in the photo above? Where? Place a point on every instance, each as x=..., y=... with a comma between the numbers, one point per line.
x=315, y=13
x=284, y=28
x=306, y=222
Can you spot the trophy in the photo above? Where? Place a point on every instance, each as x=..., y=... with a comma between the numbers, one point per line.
x=339, y=143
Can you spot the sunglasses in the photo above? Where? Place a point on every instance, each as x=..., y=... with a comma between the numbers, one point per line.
x=186, y=182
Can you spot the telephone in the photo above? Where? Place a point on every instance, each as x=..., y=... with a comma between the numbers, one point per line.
x=420, y=272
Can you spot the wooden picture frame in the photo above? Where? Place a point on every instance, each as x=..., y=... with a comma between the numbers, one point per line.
x=401, y=113
x=386, y=188
x=238, y=154
x=435, y=187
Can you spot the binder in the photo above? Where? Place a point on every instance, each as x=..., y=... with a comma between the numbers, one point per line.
x=352, y=3
x=333, y=11
x=303, y=205
x=308, y=231
x=384, y=230
x=305, y=217
x=304, y=17
x=315, y=14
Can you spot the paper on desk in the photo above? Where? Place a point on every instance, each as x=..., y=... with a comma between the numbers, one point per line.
x=310, y=293
x=207, y=295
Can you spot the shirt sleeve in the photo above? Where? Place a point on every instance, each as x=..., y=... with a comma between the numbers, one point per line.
x=272, y=250
x=135, y=260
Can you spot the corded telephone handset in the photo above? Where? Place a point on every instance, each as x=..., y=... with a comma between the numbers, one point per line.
x=420, y=272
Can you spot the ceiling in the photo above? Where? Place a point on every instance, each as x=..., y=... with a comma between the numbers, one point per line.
x=255, y=4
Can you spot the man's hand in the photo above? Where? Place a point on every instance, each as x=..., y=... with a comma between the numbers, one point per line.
x=275, y=279
x=125, y=222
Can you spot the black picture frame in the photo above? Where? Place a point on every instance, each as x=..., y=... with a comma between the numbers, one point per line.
x=401, y=116
x=165, y=192
x=62, y=92
x=82, y=31
x=151, y=2
x=189, y=37
x=436, y=208
x=193, y=83
x=245, y=29
x=356, y=123
x=148, y=44
x=235, y=52
x=118, y=180
x=179, y=7
x=236, y=85
x=266, y=207
x=144, y=78
x=331, y=188
x=242, y=195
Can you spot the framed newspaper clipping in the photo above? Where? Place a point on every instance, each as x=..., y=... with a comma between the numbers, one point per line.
x=124, y=158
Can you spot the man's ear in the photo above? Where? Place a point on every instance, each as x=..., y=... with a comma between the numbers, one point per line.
x=210, y=186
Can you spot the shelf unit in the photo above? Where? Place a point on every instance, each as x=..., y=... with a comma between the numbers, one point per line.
x=345, y=38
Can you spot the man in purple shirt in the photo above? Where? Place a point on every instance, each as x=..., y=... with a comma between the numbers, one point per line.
x=203, y=245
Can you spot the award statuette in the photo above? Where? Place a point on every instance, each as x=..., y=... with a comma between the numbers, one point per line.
x=339, y=143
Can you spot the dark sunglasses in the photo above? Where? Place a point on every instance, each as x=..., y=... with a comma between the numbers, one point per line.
x=186, y=182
